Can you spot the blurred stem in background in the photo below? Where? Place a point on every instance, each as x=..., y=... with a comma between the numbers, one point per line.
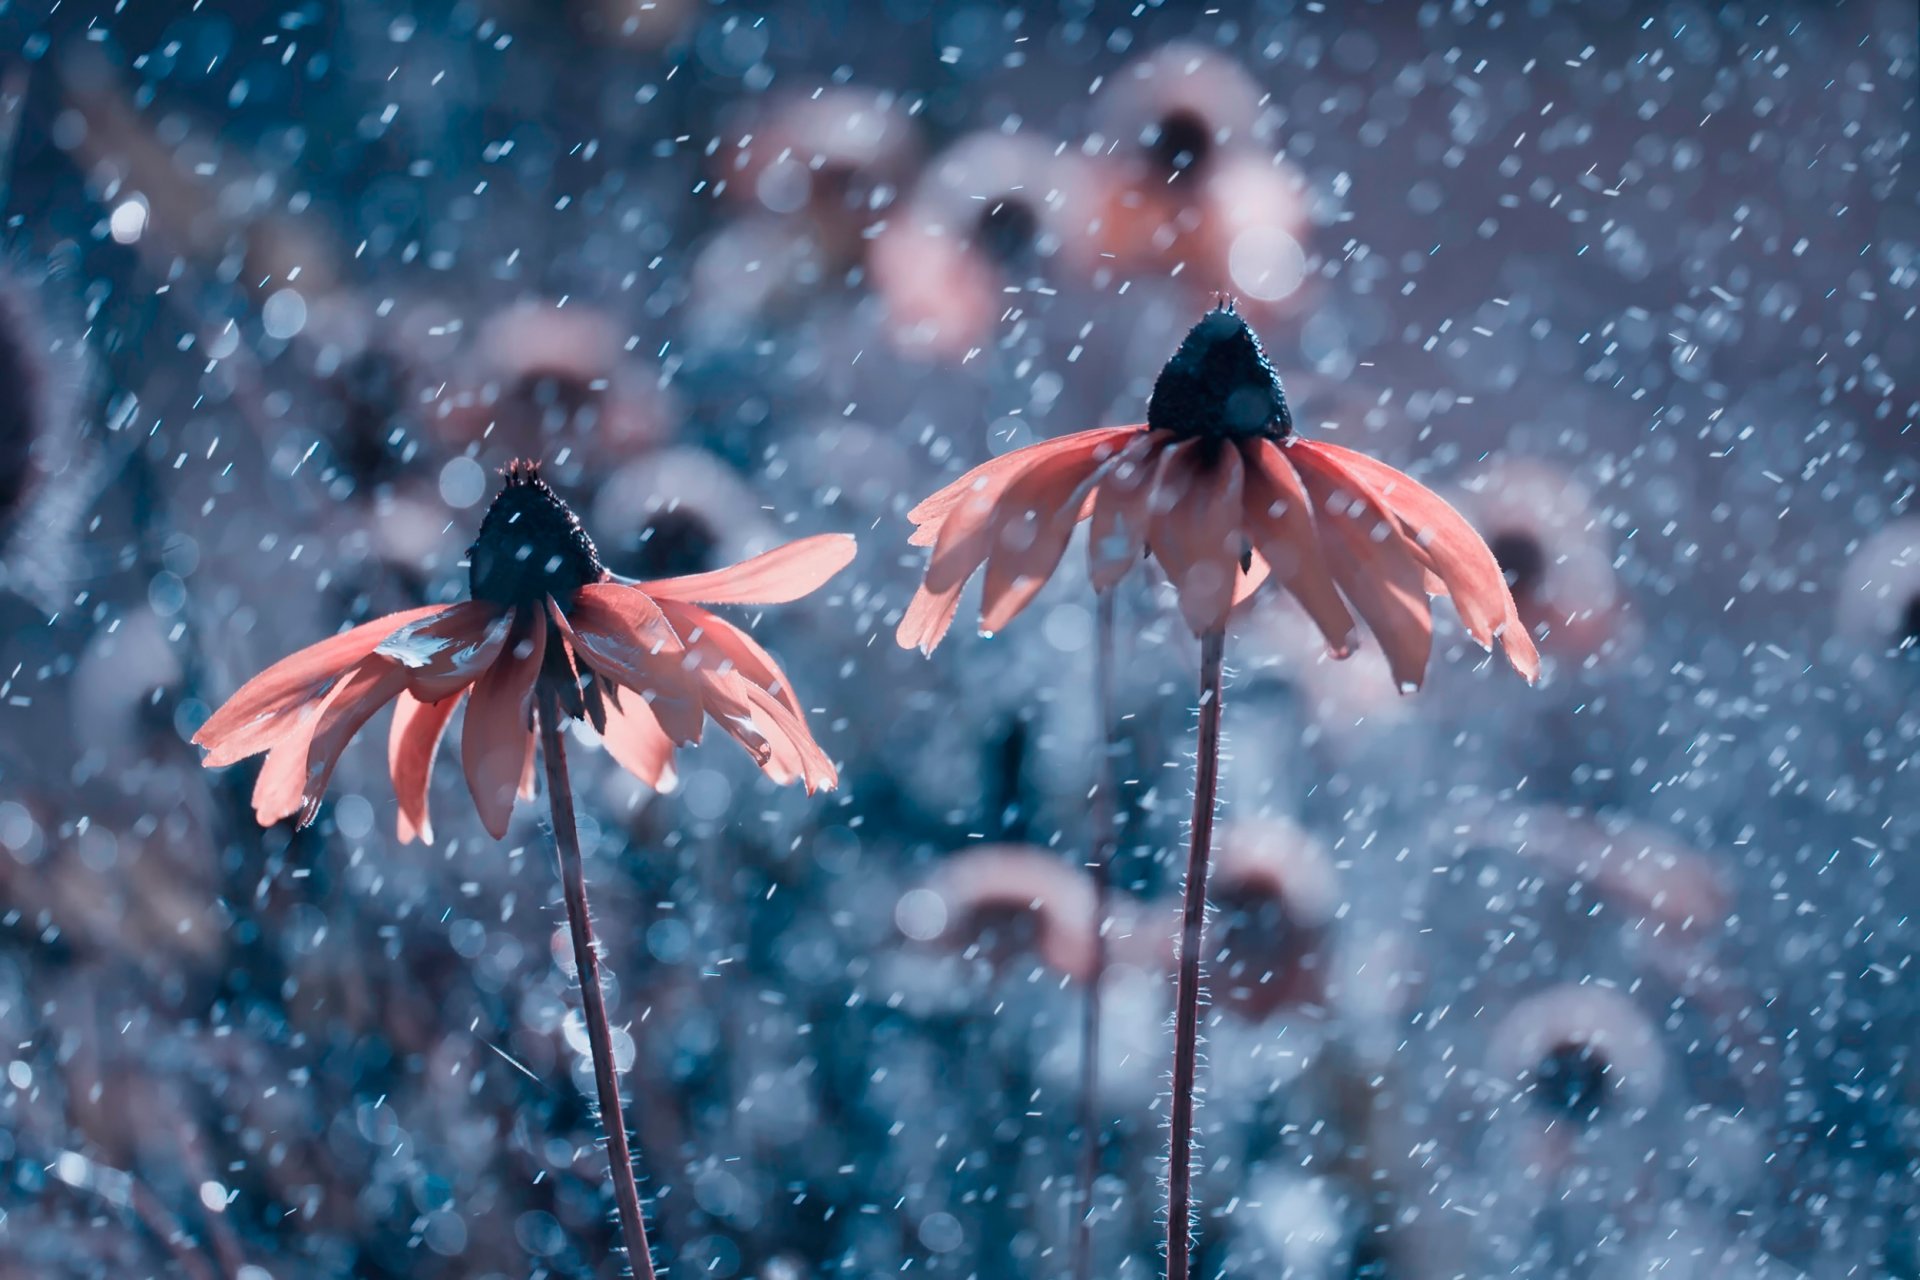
x=1092, y=1132
x=1186, y=1030
x=573, y=882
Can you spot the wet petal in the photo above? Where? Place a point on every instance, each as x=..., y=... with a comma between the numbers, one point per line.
x=1196, y=529
x=973, y=530
x=259, y=712
x=1280, y=521
x=718, y=644
x=297, y=769
x=1117, y=536
x=412, y=744
x=778, y=741
x=637, y=743
x=620, y=633
x=776, y=577
x=992, y=476
x=499, y=728
x=1377, y=567
x=928, y=617
x=445, y=654
x=1032, y=529
x=1453, y=550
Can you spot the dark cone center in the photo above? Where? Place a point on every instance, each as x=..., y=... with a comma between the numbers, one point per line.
x=1907, y=634
x=1006, y=233
x=1181, y=143
x=1572, y=1079
x=530, y=545
x=1522, y=559
x=1219, y=384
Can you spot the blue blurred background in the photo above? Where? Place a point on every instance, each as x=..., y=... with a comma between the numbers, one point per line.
x=1611, y=977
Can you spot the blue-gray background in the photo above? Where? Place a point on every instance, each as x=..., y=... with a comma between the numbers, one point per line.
x=1634, y=283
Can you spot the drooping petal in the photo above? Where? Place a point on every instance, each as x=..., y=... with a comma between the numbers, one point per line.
x=499, y=729
x=775, y=577
x=443, y=655
x=297, y=768
x=1117, y=534
x=987, y=479
x=1454, y=551
x=1280, y=522
x=620, y=633
x=256, y=716
x=974, y=528
x=412, y=744
x=928, y=617
x=717, y=645
x=637, y=743
x=778, y=741
x=1377, y=566
x=1196, y=528
x=1034, y=525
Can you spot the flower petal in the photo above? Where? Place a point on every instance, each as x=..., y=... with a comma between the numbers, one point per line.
x=1196, y=533
x=1280, y=522
x=619, y=632
x=297, y=769
x=1454, y=551
x=1032, y=528
x=412, y=744
x=775, y=577
x=1117, y=534
x=257, y=715
x=717, y=645
x=973, y=529
x=637, y=743
x=927, y=619
x=443, y=655
x=995, y=474
x=1377, y=566
x=778, y=741
x=499, y=728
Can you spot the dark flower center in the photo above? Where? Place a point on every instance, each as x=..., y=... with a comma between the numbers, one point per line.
x=530, y=545
x=1219, y=384
x=1521, y=558
x=1181, y=143
x=1572, y=1079
x=1007, y=231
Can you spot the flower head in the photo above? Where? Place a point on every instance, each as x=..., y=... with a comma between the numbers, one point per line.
x=1218, y=489
x=548, y=631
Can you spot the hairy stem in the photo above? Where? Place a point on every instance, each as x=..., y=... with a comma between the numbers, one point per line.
x=586, y=958
x=1105, y=840
x=1186, y=1029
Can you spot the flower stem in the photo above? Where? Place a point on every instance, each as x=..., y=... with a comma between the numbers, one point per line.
x=1186, y=1030
x=1092, y=1133
x=586, y=958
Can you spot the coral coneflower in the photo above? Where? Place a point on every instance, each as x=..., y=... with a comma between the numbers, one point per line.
x=548, y=635
x=1218, y=489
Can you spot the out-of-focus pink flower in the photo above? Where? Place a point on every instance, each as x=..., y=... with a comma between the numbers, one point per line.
x=1190, y=181
x=1275, y=895
x=1011, y=901
x=986, y=215
x=542, y=376
x=1579, y=1052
